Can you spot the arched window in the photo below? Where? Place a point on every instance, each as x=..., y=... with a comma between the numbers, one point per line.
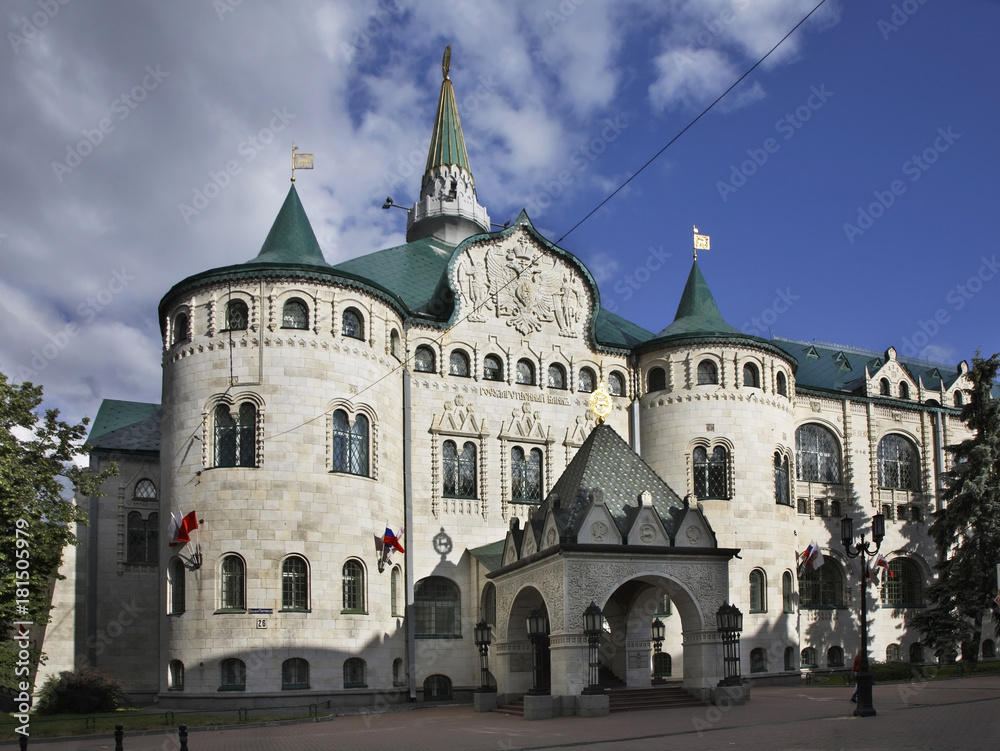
x=782, y=384
x=180, y=331
x=526, y=474
x=236, y=439
x=758, y=660
x=492, y=368
x=557, y=376
x=294, y=583
x=437, y=688
x=787, y=593
x=490, y=603
x=708, y=373
x=458, y=364
x=525, y=372
x=437, y=608
x=350, y=444
x=459, y=470
x=395, y=347
x=233, y=675
x=916, y=652
x=143, y=538
x=817, y=454
x=897, y=463
x=818, y=507
x=175, y=676
x=809, y=657
x=353, y=324
x=902, y=585
x=789, y=658
x=232, y=584
x=395, y=590
x=959, y=400
x=822, y=587
x=294, y=315
x=893, y=653
x=751, y=376
x=782, y=491
x=237, y=317
x=398, y=677
x=904, y=390
x=616, y=383
x=176, y=596
x=294, y=674
x=803, y=506
x=835, y=510
x=662, y=665
x=586, y=380
x=354, y=673
x=758, y=593
x=884, y=388
x=145, y=490
x=423, y=359
x=711, y=472
x=835, y=657
x=354, y=587
x=656, y=380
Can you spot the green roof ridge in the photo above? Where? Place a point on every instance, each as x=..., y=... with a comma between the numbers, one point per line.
x=447, y=142
x=697, y=312
x=291, y=240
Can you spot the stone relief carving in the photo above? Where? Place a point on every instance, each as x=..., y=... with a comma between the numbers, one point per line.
x=548, y=580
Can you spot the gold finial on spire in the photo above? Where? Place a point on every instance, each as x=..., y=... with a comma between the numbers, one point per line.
x=300, y=161
x=700, y=243
x=600, y=403
x=446, y=62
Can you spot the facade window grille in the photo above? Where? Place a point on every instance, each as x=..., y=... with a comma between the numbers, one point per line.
x=232, y=580
x=557, y=376
x=423, y=359
x=782, y=491
x=897, y=463
x=587, y=380
x=708, y=373
x=294, y=674
x=525, y=373
x=492, y=368
x=294, y=583
x=294, y=315
x=822, y=587
x=354, y=587
x=145, y=490
x=352, y=324
x=437, y=608
x=711, y=472
x=143, y=538
x=458, y=364
x=817, y=454
x=758, y=592
x=233, y=675
x=354, y=673
x=350, y=444
x=616, y=383
x=656, y=380
x=526, y=474
x=902, y=585
x=459, y=470
x=237, y=315
x=236, y=438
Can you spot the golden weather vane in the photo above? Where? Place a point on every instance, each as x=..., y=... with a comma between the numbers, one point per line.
x=700, y=243
x=446, y=62
x=600, y=403
x=300, y=161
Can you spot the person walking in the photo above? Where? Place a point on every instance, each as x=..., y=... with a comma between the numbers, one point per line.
x=855, y=669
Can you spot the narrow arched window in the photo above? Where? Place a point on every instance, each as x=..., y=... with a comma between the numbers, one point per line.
x=236, y=439
x=758, y=593
x=294, y=315
x=557, y=376
x=904, y=390
x=751, y=376
x=959, y=400
x=232, y=584
x=818, y=508
x=354, y=587
x=586, y=381
x=352, y=324
x=782, y=384
x=758, y=660
x=809, y=657
x=803, y=506
x=916, y=652
x=897, y=463
x=490, y=603
x=354, y=673
x=835, y=657
x=782, y=491
x=662, y=665
x=817, y=454
x=225, y=437
x=395, y=591
x=789, y=658
x=893, y=653
x=492, y=368
x=237, y=317
x=526, y=474
x=711, y=472
x=708, y=373
x=175, y=676
x=525, y=372
x=294, y=583
x=656, y=380
x=176, y=595
x=459, y=470
x=423, y=359
x=787, y=595
x=233, y=675
x=458, y=364
x=835, y=511
x=616, y=383
x=142, y=536
x=437, y=609
x=246, y=435
x=398, y=676
x=884, y=387
x=395, y=347
x=181, y=329
x=350, y=444
x=294, y=674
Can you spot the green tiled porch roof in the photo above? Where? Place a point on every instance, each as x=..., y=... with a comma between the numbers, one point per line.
x=126, y=426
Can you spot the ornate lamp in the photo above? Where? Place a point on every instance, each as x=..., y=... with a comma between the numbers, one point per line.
x=658, y=632
x=538, y=627
x=593, y=623
x=729, y=620
x=853, y=549
x=482, y=636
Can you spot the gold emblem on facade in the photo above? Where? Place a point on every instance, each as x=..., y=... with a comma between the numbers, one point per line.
x=600, y=403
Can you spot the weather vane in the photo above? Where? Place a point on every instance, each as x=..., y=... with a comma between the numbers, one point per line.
x=600, y=403
x=700, y=243
x=300, y=161
x=446, y=62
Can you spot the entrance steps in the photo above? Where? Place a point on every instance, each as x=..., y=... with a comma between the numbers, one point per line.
x=622, y=699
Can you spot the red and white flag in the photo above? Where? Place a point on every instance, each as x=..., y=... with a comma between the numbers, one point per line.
x=180, y=528
x=813, y=556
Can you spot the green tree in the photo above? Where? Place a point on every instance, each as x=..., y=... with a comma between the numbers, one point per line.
x=967, y=529
x=37, y=474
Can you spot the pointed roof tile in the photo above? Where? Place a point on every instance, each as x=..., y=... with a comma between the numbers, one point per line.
x=291, y=240
x=697, y=312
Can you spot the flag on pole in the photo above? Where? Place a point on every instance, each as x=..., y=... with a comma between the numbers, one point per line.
x=701, y=242
x=180, y=529
x=812, y=556
x=390, y=541
x=879, y=562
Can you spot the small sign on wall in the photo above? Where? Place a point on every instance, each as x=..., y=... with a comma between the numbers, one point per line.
x=262, y=623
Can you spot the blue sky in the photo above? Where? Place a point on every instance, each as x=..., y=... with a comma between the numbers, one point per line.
x=849, y=184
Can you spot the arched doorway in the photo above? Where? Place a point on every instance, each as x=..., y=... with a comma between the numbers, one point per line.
x=530, y=662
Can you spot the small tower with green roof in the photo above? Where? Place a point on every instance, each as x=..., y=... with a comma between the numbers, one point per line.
x=448, y=209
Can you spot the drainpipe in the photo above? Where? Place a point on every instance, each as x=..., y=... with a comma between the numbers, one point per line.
x=634, y=412
x=938, y=418
x=91, y=605
x=411, y=645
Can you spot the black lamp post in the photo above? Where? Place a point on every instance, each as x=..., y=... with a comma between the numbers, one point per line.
x=729, y=619
x=853, y=549
x=658, y=632
x=538, y=627
x=482, y=634
x=593, y=623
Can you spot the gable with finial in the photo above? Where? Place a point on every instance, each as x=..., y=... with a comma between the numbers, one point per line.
x=893, y=371
x=646, y=527
x=526, y=424
x=598, y=526
x=694, y=530
x=458, y=418
x=512, y=544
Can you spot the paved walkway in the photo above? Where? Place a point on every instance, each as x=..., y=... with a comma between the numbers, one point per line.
x=958, y=714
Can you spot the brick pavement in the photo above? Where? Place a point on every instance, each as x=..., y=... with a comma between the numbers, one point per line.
x=948, y=715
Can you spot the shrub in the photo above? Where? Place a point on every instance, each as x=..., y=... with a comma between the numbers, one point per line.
x=82, y=691
x=897, y=670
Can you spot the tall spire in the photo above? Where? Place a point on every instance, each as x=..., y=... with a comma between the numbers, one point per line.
x=447, y=209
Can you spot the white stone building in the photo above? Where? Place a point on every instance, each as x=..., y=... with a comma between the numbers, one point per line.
x=444, y=385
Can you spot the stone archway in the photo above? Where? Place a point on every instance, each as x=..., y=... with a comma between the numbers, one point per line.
x=515, y=650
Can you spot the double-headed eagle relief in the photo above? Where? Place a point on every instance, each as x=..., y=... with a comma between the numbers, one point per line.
x=517, y=280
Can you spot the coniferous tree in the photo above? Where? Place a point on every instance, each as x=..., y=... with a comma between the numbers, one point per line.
x=37, y=517
x=967, y=529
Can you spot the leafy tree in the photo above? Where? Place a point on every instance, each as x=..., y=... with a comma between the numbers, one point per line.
x=967, y=529
x=36, y=519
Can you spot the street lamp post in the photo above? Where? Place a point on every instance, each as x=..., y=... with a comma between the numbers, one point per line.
x=593, y=623
x=482, y=635
x=853, y=549
x=538, y=627
x=729, y=620
x=658, y=632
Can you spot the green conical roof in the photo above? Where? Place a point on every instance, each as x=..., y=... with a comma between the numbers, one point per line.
x=697, y=312
x=447, y=141
x=291, y=240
